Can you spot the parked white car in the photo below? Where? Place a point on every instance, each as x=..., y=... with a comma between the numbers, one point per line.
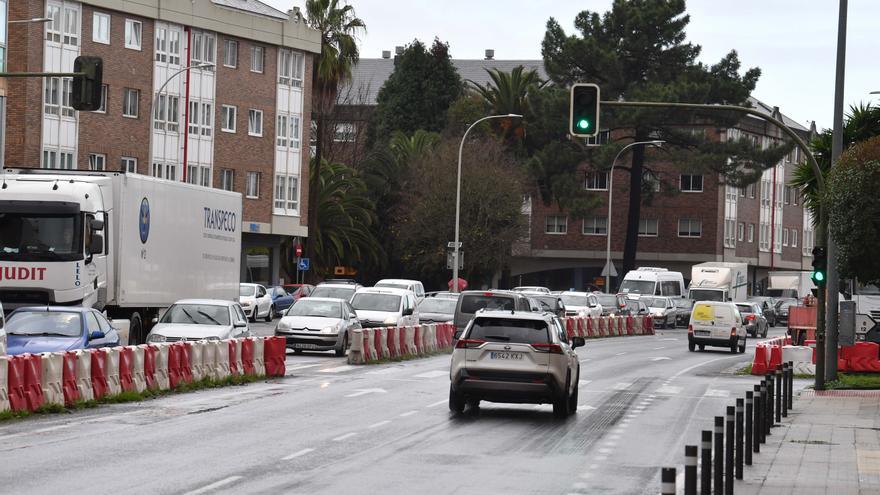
x=385, y=307
x=581, y=304
x=256, y=301
x=200, y=319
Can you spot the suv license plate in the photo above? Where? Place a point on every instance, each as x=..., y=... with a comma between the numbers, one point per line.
x=305, y=346
x=513, y=356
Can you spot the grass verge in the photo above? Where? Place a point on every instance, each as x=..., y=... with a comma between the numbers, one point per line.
x=855, y=381
x=132, y=396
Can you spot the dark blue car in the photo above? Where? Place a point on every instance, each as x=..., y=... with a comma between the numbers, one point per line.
x=57, y=328
x=281, y=300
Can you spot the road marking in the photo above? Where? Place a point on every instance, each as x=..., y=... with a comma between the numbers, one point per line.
x=640, y=407
x=365, y=391
x=601, y=458
x=717, y=393
x=380, y=423
x=661, y=358
x=439, y=402
x=620, y=354
x=614, y=437
x=297, y=454
x=579, y=486
x=408, y=413
x=585, y=360
x=344, y=437
x=384, y=371
x=216, y=484
x=610, y=444
x=587, y=407
x=605, y=451
x=669, y=389
x=302, y=367
x=338, y=369
x=658, y=348
x=622, y=386
x=689, y=368
x=594, y=466
x=584, y=382
x=586, y=476
x=433, y=374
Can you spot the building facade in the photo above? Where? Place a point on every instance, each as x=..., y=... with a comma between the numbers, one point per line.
x=211, y=92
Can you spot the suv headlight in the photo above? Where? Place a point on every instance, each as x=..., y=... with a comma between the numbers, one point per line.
x=155, y=338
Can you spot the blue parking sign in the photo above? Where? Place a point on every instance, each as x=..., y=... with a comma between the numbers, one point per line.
x=303, y=264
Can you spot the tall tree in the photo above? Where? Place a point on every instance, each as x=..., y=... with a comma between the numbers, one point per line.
x=508, y=93
x=417, y=94
x=637, y=51
x=339, y=27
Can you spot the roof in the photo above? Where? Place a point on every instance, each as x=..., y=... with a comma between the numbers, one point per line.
x=253, y=7
x=397, y=281
x=518, y=315
x=206, y=302
x=368, y=76
x=384, y=290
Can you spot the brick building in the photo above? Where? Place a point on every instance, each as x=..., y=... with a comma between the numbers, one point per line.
x=212, y=92
x=692, y=218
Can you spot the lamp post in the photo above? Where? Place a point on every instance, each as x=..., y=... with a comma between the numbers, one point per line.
x=35, y=19
x=455, y=247
x=657, y=143
x=200, y=65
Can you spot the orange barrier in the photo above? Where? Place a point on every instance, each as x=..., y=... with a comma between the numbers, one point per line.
x=759, y=365
x=247, y=356
x=174, y=373
x=33, y=381
x=126, y=359
x=15, y=384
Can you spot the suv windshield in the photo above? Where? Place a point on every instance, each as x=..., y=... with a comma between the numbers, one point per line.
x=246, y=290
x=572, y=300
x=654, y=302
x=438, y=305
x=333, y=292
x=607, y=300
x=637, y=287
x=510, y=330
x=471, y=303
x=197, y=314
x=392, y=286
x=31, y=236
x=310, y=307
x=388, y=303
x=62, y=324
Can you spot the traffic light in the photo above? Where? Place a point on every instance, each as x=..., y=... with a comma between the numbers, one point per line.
x=820, y=267
x=86, y=91
x=584, y=110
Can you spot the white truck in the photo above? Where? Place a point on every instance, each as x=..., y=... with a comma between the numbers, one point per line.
x=790, y=284
x=719, y=281
x=128, y=244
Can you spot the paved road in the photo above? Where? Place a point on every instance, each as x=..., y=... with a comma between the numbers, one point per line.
x=332, y=428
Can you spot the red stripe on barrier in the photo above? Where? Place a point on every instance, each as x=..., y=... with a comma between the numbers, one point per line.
x=274, y=355
x=15, y=384
x=186, y=362
x=233, y=357
x=150, y=366
x=68, y=379
x=174, y=376
x=247, y=356
x=126, y=360
x=99, y=373
x=33, y=381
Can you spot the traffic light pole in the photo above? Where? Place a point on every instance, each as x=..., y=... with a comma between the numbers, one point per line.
x=821, y=231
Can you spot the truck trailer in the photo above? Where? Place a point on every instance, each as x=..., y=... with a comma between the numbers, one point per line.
x=123, y=243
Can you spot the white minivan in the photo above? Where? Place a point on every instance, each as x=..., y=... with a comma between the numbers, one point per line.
x=718, y=324
x=399, y=283
x=651, y=281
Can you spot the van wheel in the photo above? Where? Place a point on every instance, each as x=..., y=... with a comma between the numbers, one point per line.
x=456, y=401
x=692, y=346
x=734, y=347
x=742, y=348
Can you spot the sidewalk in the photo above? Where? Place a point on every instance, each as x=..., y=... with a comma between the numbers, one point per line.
x=829, y=444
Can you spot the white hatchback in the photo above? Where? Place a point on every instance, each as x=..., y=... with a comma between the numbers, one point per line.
x=718, y=324
x=256, y=301
x=200, y=319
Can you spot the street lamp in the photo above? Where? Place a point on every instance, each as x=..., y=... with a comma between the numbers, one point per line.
x=35, y=19
x=455, y=247
x=200, y=65
x=656, y=142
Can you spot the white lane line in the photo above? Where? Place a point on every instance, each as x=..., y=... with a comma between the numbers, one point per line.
x=605, y=451
x=586, y=476
x=584, y=382
x=622, y=386
x=344, y=437
x=380, y=423
x=439, y=402
x=717, y=393
x=658, y=348
x=433, y=374
x=669, y=389
x=408, y=413
x=297, y=454
x=585, y=360
x=216, y=484
x=620, y=354
x=586, y=407
x=302, y=367
x=338, y=369
x=594, y=466
x=689, y=368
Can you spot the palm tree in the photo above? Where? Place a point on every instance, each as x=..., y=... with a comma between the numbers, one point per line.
x=338, y=26
x=862, y=122
x=345, y=216
x=509, y=93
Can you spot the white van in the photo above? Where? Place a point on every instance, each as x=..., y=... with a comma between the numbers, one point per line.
x=399, y=283
x=650, y=281
x=718, y=324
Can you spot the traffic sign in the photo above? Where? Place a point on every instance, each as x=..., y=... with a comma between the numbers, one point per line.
x=450, y=260
x=303, y=265
x=609, y=270
x=299, y=250
x=864, y=324
x=451, y=245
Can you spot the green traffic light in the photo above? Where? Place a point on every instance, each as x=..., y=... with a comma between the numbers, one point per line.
x=583, y=124
x=818, y=277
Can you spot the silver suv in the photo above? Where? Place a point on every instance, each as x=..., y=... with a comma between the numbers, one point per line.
x=513, y=356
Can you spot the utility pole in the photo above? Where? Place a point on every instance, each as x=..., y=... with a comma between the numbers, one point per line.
x=833, y=286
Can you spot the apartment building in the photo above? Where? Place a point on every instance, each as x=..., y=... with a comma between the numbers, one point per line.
x=211, y=92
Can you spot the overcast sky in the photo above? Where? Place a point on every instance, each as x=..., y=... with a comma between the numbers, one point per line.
x=792, y=41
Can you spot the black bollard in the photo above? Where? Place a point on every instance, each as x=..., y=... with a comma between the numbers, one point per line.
x=667, y=481
x=728, y=450
x=765, y=424
x=790, y=385
x=759, y=417
x=785, y=371
x=690, y=470
x=718, y=473
x=770, y=391
x=750, y=411
x=706, y=463
x=739, y=439
x=779, y=394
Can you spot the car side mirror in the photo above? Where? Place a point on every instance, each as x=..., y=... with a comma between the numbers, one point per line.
x=577, y=342
x=96, y=334
x=240, y=324
x=97, y=245
x=155, y=320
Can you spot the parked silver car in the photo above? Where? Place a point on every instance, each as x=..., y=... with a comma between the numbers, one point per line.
x=200, y=319
x=519, y=357
x=318, y=324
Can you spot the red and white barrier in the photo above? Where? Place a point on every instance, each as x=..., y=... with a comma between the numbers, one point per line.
x=68, y=378
x=138, y=370
x=53, y=375
x=84, y=375
x=114, y=385
x=221, y=359
x=259, y=359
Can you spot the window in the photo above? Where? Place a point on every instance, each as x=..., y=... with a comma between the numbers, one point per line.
x=97, y=161
x=742, y=192
x=556, y=224
x=599, y=139
x=129, y=164
x=192, y=174
x=66, y=96
x=794, y=238
x=227, y=179
x=280, y=191
x=740, y=231
x=167, y=114
x=57, y=159
x=257, y=56
x=597, y=181
x=230, y=53
x=201, y=118
x=795, y=194
x=344, y=132
x=785, y=237
x=51, y=96
x=71, y=26
x=207, y=119
x=167, y=45
x=130, y=100
x=164, y=171
x=53, y=27
x=287, y=131
x=205, y=176
x=227, y=118
x=252, y=185
x=202, y=49
x=101, y=28
x=689, y=227
x=751, y=232
x=595, y=226
x=3, y=20
x=691, y=183
x=132, y=34
x=103, y=108
x=751, y=190
x=648, y=227
x=290, y=68
x=651, y=181
x=281, y=131
x=255, y=122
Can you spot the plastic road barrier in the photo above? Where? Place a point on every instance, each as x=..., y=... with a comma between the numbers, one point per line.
x=99, y=373
x=247, y=356
x=33, y=378
x=209, y=359
x=368, y=350
x=52, y=377
x=84, y=375
x=221, y=359
x=356, y=350
x=15, y=383
x=174, y=372
x=381, y=336
x=235, y=357
x=4, y=383
x=126, y=362
x=114, y=387
x=68, y=378
x=196, y=360
x=138, y=371
x=186, y=370
x=259, y=360
x=275, y=353
x=392, y=341
x=150, y=351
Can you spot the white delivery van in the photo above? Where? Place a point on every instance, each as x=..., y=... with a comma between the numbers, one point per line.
x=650, y=281
x=718, y=324
x=794, y=285
x=719, y=281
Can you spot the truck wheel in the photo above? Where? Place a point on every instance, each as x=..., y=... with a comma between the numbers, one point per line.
x=136, y=330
